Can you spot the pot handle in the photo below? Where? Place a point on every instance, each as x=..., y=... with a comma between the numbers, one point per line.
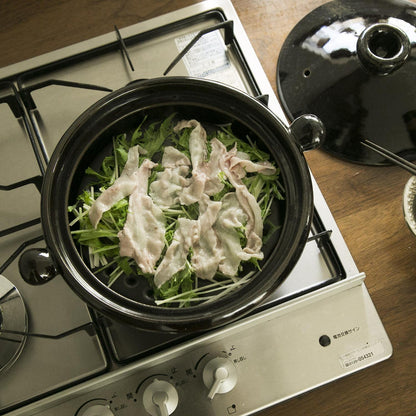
x=37, y=267
x=308, y=131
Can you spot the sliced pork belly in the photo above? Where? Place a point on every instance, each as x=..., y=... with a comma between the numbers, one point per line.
x=167, y=188
x=206, y=255
x=240, y=164
x=205, y=173
x=254, y=225
x=169, y=183
x=132, y=162
x=213, y=237
x=197, y=141
x=198, y=235
x=142, y=237
x=212, y=169
x=122, y=187
x=173, y=158
x=230, y=217
x=198, y=151
x=193, y=193
x=176, y=255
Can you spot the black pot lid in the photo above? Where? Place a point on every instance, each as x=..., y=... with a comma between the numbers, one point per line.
x=353, y=64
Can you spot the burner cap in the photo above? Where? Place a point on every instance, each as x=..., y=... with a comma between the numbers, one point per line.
x=352, y=63
x=12, y=317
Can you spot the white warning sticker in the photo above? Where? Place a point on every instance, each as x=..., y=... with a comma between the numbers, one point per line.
x=361, y=355
x=208, y=59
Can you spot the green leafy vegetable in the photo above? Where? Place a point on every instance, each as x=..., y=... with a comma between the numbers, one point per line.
x=102, y=243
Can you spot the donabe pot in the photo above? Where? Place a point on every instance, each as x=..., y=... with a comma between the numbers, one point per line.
x=87, y=142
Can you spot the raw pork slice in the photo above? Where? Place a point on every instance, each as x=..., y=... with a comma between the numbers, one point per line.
x=122, y=187
x=176, y=255
x=142, y=237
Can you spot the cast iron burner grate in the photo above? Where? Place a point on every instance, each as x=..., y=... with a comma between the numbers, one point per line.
x=25, y=107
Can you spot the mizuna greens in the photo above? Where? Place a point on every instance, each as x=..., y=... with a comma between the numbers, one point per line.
x=192, y=181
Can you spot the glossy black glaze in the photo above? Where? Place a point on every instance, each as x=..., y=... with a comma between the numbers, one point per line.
x=353, y=64
x=308, y=131
x=86, y=141
x=36, y=266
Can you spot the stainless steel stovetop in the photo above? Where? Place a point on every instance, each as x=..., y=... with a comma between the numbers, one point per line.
x=59, y=357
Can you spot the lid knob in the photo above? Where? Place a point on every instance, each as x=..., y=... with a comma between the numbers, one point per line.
x=382, y=48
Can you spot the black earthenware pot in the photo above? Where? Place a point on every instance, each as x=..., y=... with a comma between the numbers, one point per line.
x=88, y=141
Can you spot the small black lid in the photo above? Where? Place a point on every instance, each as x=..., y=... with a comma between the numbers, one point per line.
x=353, y=64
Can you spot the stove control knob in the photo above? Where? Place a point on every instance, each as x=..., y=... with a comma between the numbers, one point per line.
x=97, y=410
x=219, y=376
x=160, y=398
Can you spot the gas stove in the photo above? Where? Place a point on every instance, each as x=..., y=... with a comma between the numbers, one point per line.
x=58, y=356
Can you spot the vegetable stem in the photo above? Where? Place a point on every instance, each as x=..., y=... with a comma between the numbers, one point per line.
x=184, y=288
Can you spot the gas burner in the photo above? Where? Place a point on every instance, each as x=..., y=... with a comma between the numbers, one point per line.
x=13, y=317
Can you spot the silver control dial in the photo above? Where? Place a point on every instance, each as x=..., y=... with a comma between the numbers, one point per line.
x=97, y=410
x=219, y=376
x=160, y=398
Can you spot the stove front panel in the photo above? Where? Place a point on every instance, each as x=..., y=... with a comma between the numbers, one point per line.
x=261, y=361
